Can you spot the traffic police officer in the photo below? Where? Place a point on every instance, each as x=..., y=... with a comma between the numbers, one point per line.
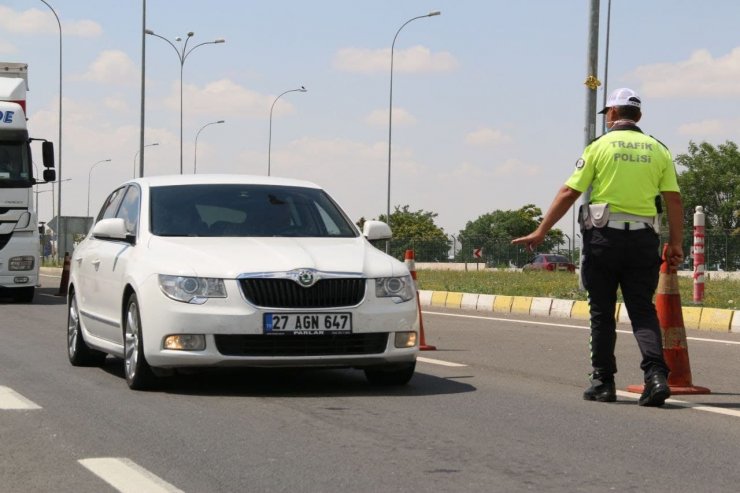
x=628, y=171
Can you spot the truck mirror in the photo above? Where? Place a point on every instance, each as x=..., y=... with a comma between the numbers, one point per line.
x=50, y=175
x=47, y=149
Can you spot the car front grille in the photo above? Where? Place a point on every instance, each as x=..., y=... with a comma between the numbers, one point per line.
x=301, y=345
x=286, y=293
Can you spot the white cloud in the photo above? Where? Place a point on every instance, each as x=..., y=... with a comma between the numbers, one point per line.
x=487, y=137
x=719, y=129
x=117, y=103
x=400, y=117
x=6, y=48
x=113, y=67
x=36, y=21
x=416, y=59
x=699, y=76
x=224, y=97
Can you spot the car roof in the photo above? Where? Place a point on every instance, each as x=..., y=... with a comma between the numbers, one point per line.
x=221, y=179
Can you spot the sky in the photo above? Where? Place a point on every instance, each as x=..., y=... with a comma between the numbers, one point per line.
x=488, y=97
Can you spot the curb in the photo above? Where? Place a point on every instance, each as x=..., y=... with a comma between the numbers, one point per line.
x=697, y=318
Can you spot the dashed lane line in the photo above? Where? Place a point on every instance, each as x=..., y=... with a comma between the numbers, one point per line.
x=12, y=400
x=439, y=362
x=126, y=476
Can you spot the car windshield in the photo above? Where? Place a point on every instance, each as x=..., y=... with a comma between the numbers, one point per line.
x=557, y=258
x=220, y=210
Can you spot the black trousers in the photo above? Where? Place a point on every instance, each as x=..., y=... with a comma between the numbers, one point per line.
x=628, y=260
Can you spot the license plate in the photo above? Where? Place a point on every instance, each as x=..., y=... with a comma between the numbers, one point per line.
x=308, y=323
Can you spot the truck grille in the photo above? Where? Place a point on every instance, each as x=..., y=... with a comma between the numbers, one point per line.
x=301, y=345
x=286, y=293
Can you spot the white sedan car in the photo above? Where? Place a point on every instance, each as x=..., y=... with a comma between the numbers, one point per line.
x=235, y=270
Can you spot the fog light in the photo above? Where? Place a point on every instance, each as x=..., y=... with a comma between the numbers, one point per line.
x=405, y=339
x=20, y=280
x=185, y=342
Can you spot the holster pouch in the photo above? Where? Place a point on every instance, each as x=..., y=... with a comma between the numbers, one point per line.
x=593, y=216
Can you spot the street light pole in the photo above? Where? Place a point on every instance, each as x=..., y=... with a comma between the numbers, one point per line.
x=89, y=175
x=390, y=119
x=182, y=55
x=137, y=155
x=195, y=152
x=269, y=138
x=59, y=151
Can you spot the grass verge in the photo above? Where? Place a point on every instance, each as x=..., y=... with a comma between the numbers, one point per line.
x=720, y=293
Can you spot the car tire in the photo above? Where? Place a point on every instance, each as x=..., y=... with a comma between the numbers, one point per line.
x=139, y=375
x=23, y=295
x=390, y=375
x=78, y=351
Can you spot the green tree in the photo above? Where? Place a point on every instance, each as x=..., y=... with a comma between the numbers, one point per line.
x=494, y=231
x=711, y=179
x=416, y=230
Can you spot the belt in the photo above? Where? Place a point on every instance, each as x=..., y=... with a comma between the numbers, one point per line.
x=627, y=226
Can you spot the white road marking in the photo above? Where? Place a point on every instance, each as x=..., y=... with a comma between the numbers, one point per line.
x=690, y=405
x=49, y=275
x=629, y=395
x=126, y=476
x=550, y=324
x=9, y=399
x=439, y=362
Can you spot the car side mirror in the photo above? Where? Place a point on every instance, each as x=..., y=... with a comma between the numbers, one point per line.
x=113, y=228
x=376, y=230
x=50, y=175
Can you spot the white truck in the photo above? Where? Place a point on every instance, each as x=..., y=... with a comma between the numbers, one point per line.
x=19, y=234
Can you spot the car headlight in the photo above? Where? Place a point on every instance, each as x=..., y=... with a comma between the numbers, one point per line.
x=194, y=290
x=399, y=288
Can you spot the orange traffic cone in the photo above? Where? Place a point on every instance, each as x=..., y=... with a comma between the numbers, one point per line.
x=411, y=266
x=65, y=276
x=675, y=348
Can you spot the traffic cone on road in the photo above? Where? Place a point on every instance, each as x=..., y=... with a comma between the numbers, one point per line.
x=675, y=348
x=65, y=276
x=411, y=266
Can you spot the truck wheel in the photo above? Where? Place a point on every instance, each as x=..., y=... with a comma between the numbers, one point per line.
x=390, y=375
x=78, y=351
x=23, y=295
x=139, y=375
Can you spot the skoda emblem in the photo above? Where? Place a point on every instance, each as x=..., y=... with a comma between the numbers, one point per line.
x=305, y=278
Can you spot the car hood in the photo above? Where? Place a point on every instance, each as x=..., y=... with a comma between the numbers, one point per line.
x=229, y=257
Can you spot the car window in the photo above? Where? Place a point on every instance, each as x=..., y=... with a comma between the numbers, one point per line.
x=557, y=258
x=110, y=206
x=129, y=210
x=245, y=211
x=538, y=259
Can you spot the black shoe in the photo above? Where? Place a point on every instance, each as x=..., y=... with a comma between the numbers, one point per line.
x=656, y=391
x=601, y=390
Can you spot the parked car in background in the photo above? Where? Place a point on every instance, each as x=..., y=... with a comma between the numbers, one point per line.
x=550, y=262
x=234, y=270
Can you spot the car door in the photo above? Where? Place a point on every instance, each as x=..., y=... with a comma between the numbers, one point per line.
x=95, y=268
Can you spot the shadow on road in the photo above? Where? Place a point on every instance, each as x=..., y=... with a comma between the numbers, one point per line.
x=293, y=382
x=43, y=296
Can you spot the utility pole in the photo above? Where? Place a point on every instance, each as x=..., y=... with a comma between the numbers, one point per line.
x=591, y=83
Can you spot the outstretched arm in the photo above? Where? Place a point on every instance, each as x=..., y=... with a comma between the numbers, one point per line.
x=563, y=201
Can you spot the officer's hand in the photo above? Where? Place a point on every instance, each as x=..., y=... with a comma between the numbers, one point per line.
x=674, y=255
x=530, y=241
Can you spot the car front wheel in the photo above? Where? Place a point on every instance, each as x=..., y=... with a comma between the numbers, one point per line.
x=139, y=375
x=390, y=375
x=78, y=351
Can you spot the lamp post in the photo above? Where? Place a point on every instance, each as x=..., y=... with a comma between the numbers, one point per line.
x=137, y=155
x=269, y=138
x=195, y=152
x=182, y=55
x=89, y=175
x=390, y=118
x=59, y=166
